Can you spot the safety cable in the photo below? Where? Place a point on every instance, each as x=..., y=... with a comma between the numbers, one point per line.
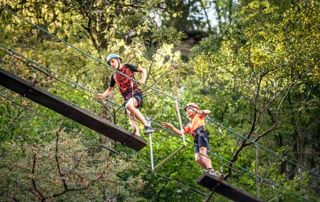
x=157, y=90
x=153, y=89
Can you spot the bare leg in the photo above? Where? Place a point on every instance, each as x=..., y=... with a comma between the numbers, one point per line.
x=198, y=159
x=131, y=106
x=133, y=123
x=205, y=160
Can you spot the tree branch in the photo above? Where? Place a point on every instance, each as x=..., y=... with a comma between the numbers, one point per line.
x=62, y=175
x=32, y=179
x=206, y=14
x=219, y=15
x=262, y=134
x=253, y=126
x=79, y=189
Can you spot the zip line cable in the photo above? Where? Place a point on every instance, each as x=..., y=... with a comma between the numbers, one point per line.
x=156, y=80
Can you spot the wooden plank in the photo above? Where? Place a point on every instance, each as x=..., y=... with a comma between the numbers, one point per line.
x=212, y=182
x=70, y=110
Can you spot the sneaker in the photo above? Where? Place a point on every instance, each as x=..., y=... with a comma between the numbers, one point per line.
x=135, y=132
x=148, y=130
x=212, y=172
x=220, y=176
x=215, y=174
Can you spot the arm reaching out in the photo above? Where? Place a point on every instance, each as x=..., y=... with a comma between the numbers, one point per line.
x=205, y=112
x=171, y=127
x=106, y=93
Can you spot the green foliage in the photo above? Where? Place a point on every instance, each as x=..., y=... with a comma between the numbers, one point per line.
x=264, y=72
x=258, y=73
x=64, y=164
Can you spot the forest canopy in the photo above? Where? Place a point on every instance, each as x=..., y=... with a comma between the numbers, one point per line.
x=253, y=64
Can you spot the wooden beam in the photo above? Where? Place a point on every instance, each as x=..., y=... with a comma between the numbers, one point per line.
x=70, y=110
x=212, y=182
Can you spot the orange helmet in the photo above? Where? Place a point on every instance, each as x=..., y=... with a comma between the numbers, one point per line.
x=191, y=105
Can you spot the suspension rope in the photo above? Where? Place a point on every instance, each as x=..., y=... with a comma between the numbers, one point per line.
x=151, y=88
x=246, y=170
